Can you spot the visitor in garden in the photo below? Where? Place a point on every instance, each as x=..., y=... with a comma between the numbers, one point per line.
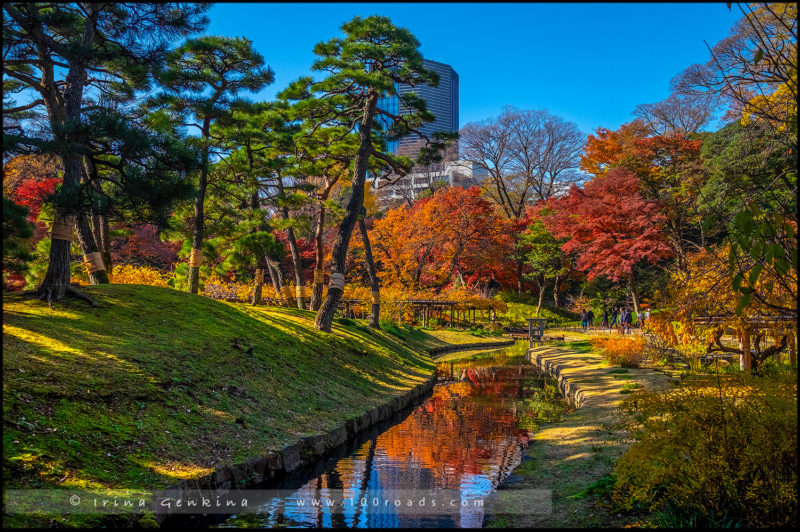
x=628, y=321
x=605, y=318
x=641, y=319
x=590, y=318
x=584, y=318
x=647, y=315
x=614, y=316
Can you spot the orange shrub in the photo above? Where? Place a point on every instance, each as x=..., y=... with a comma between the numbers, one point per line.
x=619, y=351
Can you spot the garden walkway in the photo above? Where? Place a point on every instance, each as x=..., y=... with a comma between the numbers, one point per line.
x=569, y=456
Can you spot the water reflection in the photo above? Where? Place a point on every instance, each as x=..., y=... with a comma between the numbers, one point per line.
x=453, y=449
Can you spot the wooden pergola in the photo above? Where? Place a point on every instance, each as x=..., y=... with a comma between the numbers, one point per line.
x=783, y=329
x=425, y=309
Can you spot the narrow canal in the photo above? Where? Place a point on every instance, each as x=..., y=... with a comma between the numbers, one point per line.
x=432, y=466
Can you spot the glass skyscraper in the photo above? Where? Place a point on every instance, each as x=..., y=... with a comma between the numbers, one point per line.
x=442, y=101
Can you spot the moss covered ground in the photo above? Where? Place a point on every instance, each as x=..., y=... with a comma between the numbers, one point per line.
x=155, y=385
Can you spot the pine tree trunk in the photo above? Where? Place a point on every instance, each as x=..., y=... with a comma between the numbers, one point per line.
x=319, y=255
x=198, y=225
x=257, y=293
x=89, y=246
x=326, y=312
x=298, y=270
x=100, y=232
x=56, y=281
x=98, y=222
x=298, y=267
x=62, y=113
x=105, y=243
x=259, y=281
x=375, y=315
x=94, y=225
x=275, y=277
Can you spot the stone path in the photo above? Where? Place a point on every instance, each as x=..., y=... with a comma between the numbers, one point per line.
x=567, y=457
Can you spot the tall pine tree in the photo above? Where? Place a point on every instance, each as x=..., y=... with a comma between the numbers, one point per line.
x=369, y=62
x=202, y=80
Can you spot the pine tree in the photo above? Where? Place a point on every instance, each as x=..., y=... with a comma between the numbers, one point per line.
x=201, y=81
x=369, y=62
x=65, y=57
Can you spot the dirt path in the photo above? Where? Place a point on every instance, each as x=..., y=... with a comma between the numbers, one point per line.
x=567, y=457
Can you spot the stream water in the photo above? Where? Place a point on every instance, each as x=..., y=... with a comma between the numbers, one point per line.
x=435, y=464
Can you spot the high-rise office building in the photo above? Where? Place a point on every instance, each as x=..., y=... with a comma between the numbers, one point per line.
x=442, y=101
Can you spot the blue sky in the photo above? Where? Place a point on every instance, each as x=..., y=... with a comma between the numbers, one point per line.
x=588, y=63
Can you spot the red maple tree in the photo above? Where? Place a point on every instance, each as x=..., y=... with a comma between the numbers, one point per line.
x=610, y=227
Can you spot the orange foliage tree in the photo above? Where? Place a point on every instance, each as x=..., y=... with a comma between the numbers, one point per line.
x=454, y=234
x=608, y=149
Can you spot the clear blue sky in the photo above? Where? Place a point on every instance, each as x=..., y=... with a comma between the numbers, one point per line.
x=588, y=63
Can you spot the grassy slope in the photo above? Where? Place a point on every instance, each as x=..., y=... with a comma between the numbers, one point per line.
x=148, y=389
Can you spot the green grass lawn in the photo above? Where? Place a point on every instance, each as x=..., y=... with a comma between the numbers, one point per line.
x=156, y=385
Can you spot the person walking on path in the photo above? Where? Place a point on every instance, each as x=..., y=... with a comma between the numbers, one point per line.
x=584, y=317
x=590, y=318
x=647, y=315
x=605, y=318
x=614, y=317
x=641, y=319
x=628, y=321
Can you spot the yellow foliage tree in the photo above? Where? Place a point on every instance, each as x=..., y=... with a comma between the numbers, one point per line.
x=705, y=302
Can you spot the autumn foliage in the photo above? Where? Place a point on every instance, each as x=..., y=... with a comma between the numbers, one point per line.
x=146, y=275
x=621, y=351
x=609, y=225
x=454, y=234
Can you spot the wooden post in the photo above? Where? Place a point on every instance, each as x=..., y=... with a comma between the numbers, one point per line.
x=451, y=315
x=745, y=361
x=792, y=348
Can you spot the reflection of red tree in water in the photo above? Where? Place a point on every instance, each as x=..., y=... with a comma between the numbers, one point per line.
x=453, y=437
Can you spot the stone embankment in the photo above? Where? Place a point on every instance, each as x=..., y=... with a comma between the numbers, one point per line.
x=567, y=457
x=437, y=351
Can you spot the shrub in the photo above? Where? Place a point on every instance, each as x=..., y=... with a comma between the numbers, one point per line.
x=715, y=446
x=129, y=274
x=216, y=287
x=630, y=387
x=619, y=351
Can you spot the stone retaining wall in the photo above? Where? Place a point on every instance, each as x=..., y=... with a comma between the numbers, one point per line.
x=436, y=351
x=574, y=396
